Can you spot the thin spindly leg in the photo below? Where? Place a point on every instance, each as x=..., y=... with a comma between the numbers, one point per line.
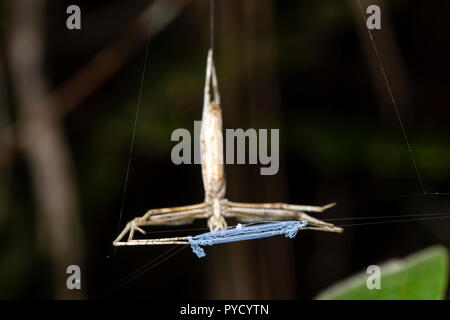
x=162, y=241
x=165, y=216
x=277, y=211
x=286, y=206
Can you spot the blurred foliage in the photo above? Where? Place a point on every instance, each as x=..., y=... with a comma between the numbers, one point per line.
x=421, y=276
x=339, y=146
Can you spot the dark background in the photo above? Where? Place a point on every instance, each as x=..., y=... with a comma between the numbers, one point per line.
x=68, y=103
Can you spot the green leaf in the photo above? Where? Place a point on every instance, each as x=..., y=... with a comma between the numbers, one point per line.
x=421, y=276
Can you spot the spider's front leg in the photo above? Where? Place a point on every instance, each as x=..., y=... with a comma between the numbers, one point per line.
x=280, y=211
x=165, y=216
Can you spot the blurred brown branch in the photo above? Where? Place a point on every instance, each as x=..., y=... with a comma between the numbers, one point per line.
x=88, y=78
x=38, y=132
x=48, y=157
x=4, y=120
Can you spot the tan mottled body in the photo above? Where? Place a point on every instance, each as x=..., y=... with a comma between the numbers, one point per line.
x=211, y=147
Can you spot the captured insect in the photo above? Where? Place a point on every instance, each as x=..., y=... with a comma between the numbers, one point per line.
x=264, y=219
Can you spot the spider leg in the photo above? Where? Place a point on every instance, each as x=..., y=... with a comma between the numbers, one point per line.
x=163, y=216
x=145, y=242
x=278, y=211
x=293, y=207
x=324, y=228
x=175, y=215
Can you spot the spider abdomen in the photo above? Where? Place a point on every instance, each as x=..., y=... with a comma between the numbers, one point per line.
x=211, y=145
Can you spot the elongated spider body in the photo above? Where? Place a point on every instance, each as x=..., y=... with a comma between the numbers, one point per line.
x=216, y=208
